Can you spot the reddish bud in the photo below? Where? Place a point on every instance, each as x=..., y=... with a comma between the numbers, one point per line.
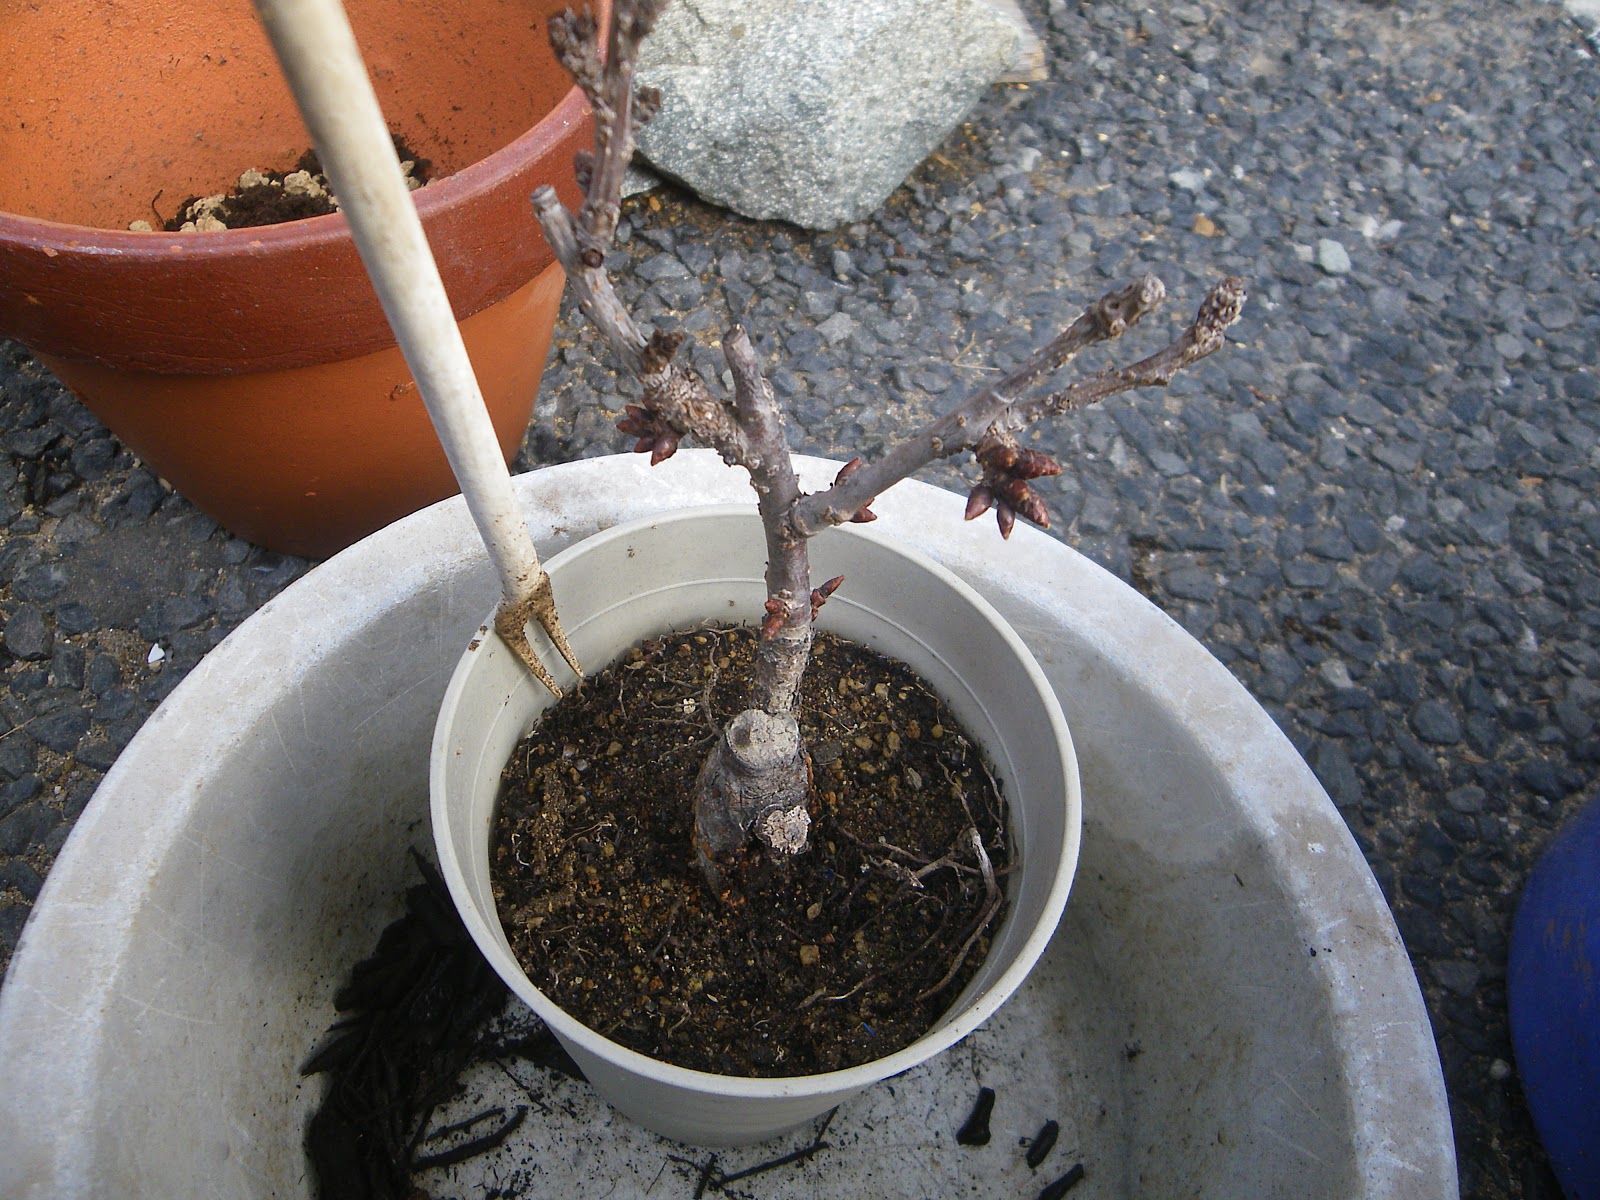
x=997, y=456
x=651, y=433
x=663, y=448
x=1025, y=501
x=864, y=513
x=1014, y=492
x=777, y=612
x=1006, y=517
x=979, y=501
x=660, y=350
x=646, y=104
x=1031, y=464
x=635, y=421
x=1002, y=458
x=819, y=596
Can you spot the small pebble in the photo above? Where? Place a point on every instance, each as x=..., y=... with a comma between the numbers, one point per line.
x=976, y=1130
x=1043, y=1142
x=1332, y=257
x=1058, y=1189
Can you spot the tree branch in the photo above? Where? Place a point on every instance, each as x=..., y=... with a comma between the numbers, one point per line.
x=616, y=106
x=988, y=421
x=756, y=777
x=786, y=635
x=1203, y=336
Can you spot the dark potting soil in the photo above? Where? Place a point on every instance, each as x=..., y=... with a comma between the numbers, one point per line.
x=413, y=1016
x=843, y=954
x=270, y=203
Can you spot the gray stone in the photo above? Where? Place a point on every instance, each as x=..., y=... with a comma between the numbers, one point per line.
x=659, y=267
x=819, y=304
x=18, y=755
x=1460, y=977
x=67, y=666
x=1435, y=722
x=1556, y=312
x=1337, y=774
x=19, y=791
x=97, y=753
x=837, y=328
x=43, y=582
x=21, y=875
x=25, y=828
x=28, y=635
x=93, y=458
x=1332, y=257
x=1191, y=583
x=103, y=674
x=696, y=257
x=12, y=918
x=172, y=613
x=1303, y=574
x=814, y=113
x=1546, y=779
x=61, y=730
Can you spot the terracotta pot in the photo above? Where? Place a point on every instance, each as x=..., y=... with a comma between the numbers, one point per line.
x=253, y=368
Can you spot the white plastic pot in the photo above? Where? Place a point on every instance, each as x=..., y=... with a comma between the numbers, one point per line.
x=649, y=577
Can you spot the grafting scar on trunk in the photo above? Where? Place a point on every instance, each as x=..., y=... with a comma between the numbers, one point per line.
x=754, y=783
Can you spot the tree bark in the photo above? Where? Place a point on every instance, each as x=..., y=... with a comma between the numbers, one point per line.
x=754, y=781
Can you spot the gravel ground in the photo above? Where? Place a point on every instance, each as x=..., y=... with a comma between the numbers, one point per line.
x=1377, y=507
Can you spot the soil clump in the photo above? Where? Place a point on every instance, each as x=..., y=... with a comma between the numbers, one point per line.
x=264, y=197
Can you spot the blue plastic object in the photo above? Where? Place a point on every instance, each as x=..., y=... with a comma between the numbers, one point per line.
x=1554, y=995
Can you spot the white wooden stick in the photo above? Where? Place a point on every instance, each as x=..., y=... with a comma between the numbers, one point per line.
x=328, y=77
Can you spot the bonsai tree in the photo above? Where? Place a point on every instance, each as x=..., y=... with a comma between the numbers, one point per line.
x=754, y=781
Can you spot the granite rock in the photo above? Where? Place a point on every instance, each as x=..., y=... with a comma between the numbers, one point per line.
x=814, y=113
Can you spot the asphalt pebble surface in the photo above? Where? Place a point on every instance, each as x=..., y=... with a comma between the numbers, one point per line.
x=1377, y=507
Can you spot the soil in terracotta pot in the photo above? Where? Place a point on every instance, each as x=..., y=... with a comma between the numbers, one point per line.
x=841, y=955
x=262, y=197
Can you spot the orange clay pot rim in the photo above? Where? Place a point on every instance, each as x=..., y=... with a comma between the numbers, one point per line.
x=439, y=196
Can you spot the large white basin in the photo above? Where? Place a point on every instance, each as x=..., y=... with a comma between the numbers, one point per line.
x=1226, y=1011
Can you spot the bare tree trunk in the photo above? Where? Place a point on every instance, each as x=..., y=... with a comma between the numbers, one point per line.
x=757, y=776
x=756, y=779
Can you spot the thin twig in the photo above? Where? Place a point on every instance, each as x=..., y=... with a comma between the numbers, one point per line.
x=666, y=933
